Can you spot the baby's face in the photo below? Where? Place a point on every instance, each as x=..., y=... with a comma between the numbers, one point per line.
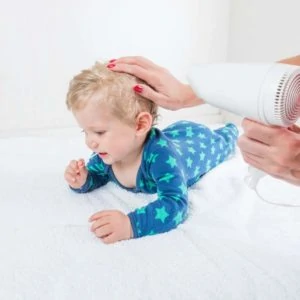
x=105, y=134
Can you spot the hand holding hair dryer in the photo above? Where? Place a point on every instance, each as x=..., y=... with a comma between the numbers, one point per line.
x=265, y=92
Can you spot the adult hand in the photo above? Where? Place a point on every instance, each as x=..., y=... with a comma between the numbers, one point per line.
x=274, y=150
x=161, y=86
x=111, y=226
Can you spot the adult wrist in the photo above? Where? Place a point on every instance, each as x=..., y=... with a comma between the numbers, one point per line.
x=191, y=98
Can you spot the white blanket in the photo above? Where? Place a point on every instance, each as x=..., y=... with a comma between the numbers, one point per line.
x=232, y=246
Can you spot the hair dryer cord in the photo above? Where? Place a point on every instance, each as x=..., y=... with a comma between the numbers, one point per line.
x=252, y=180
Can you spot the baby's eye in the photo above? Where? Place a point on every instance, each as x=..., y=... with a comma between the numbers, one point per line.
x=100, y=132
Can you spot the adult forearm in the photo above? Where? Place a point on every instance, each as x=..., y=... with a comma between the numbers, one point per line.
x=295, y=60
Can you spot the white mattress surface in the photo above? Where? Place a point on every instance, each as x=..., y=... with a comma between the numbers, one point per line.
x=232, y=246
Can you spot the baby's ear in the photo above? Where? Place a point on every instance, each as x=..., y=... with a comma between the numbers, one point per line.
x=143, y=123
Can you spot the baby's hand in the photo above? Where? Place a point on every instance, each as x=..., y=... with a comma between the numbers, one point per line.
x=76, y=173
x=111, y=226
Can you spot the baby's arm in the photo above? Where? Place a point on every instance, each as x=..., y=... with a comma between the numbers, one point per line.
x=83, y=179
x=170, y=209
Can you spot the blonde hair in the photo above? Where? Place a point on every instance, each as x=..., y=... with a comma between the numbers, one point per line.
x=114, y=89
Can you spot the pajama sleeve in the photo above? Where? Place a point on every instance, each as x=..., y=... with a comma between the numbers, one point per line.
x=97, y=176
x=164, y=170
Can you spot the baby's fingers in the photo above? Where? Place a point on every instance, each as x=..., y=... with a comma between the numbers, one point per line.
x=70, y=177
x=110, y=239
x=73, y=165
x=76, y=166
x=81, y=163
x=82, y=170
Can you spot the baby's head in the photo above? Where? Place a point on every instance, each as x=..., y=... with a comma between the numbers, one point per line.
x=111, y=89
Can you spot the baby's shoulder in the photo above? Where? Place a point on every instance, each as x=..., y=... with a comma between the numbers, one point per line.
x=158, y=148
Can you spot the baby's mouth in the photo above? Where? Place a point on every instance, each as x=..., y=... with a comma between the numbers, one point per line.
x=102, y=154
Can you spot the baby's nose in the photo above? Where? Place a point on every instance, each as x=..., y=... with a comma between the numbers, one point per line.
x=94, y=145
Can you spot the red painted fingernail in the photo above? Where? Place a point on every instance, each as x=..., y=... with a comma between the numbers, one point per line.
x=112, y=60
x=111, y=66
x=137, y=88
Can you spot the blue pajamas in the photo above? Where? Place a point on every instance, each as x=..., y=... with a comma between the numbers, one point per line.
x=173, y=159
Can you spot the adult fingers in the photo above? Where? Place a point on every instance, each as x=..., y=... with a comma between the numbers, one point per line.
x=294, y=128
x=260, y=132
x=137, y=60
x=274, y=170
x=135, y=70
x=255, y=162
x=148, y=93
x=295, y=177
x=254, y=147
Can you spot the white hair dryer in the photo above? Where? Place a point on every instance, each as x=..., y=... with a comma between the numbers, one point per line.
x=267, y=93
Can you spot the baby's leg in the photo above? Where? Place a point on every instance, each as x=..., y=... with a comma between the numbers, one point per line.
x=229, y=134
x=213, y=146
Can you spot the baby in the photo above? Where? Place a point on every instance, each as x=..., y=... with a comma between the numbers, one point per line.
x=128, y=150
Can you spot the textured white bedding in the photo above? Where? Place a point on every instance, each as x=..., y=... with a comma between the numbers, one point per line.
x=233, y=245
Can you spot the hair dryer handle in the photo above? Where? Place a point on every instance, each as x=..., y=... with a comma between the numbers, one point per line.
x=253, y=177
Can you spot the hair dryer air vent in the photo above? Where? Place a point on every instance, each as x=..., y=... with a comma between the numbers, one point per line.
x=287, y=99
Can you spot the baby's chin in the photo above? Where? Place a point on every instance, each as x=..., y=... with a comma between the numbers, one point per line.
x=107, y=159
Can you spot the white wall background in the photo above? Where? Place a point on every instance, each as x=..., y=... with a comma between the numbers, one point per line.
x=264, y=30
x=44, y=43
